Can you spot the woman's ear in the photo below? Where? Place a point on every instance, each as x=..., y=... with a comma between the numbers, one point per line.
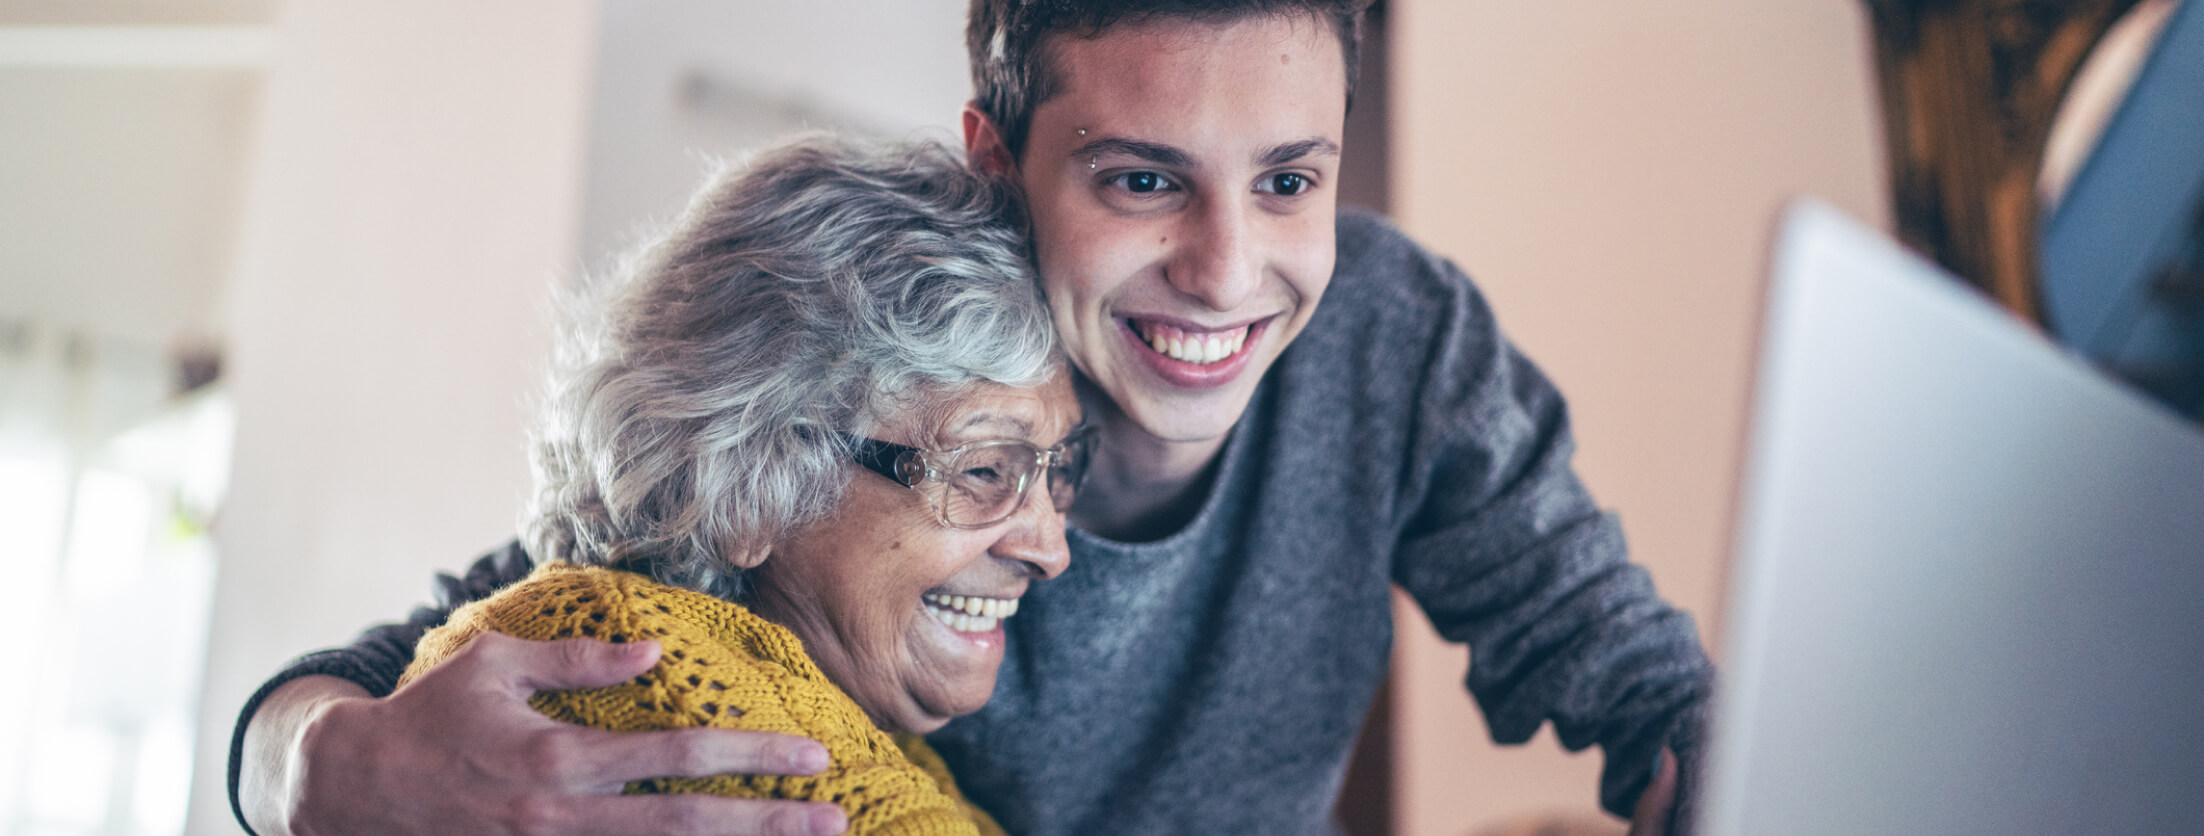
x=748, y=558
x=984, y=151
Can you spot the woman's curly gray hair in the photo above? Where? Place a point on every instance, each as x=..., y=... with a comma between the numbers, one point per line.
x=805, y=294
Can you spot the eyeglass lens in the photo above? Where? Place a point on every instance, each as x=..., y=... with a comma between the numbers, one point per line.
x=1067, y=471
x=987, y=483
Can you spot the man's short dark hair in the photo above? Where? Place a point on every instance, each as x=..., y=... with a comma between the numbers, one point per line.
x=1011, y=73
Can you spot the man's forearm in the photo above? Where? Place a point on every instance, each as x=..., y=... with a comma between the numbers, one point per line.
x=371, y=664
x=460, y=751
x=272, y=742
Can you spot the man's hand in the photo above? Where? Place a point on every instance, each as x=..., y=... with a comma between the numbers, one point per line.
x=460, y=751
x=1659, y=798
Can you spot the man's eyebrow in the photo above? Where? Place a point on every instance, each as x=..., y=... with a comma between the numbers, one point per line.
x=1288, y=152
x=1154, y=152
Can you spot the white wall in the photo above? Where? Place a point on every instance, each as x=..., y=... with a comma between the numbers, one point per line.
x=118, y=196
x=416, y=185
x=1609, y=172
x=683, y=81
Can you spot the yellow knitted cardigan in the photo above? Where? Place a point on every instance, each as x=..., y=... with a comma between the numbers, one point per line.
x=723, y=667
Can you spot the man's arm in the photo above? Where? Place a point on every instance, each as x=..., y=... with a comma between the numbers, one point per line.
x=326, y=747
x=1507, y=552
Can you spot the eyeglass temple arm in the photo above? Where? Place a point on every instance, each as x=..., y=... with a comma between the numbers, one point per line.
x=881, y=457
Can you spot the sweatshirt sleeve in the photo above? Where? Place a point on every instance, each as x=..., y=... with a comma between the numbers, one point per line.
x=375, y=660
x=1506, y=552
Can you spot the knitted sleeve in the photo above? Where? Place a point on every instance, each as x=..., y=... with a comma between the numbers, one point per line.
x=380, y=654
x=722, y=667
x=930, y=762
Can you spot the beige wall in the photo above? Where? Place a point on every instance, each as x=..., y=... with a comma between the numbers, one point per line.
x=1609, y=172
x=415, y=187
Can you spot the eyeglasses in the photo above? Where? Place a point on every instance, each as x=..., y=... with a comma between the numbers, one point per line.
x=981, y=483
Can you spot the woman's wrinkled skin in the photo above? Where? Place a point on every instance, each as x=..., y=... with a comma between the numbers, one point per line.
x=854, y=585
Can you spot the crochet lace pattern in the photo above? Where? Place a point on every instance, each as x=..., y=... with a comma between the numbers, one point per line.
x=722, y=666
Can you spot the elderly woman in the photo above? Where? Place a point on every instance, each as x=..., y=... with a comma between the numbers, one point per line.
x=798, y=445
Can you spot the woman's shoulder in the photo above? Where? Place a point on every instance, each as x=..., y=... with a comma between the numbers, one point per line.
x=719, y=666
x=930, y=762
x=563, y=601
x=719, y=663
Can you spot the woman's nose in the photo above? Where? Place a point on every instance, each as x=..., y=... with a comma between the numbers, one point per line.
x=1035, y=537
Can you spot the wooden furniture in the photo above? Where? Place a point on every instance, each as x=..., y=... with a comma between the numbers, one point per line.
x=1970, y=89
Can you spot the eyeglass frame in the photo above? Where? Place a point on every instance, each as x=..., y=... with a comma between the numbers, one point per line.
x=913, y=467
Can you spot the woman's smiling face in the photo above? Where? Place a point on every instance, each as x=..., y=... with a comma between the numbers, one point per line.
x=900, y=611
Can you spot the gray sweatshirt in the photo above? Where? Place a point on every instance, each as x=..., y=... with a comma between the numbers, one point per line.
x=1214, y=681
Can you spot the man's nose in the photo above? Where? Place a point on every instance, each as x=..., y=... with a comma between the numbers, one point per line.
x=1215, y=261
x=1035, y=537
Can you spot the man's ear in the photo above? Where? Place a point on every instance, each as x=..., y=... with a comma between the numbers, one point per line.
x=984, y=150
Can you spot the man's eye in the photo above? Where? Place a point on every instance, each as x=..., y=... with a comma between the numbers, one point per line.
x=1143, y=182
x=1286, y=185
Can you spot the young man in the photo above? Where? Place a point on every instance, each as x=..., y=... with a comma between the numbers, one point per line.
x=1299, y=410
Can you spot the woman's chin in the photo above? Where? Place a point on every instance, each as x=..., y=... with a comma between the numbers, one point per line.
x=923, y=713
x=955, y=674
x=932, y=702
x=924, y=727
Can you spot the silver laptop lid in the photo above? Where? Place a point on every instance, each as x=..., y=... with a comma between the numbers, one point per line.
x=1968, y=572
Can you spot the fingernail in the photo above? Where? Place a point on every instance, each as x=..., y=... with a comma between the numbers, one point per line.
x=809, y=758
x=827, y=820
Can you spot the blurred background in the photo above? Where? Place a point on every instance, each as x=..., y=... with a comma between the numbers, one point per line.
x=274, y=283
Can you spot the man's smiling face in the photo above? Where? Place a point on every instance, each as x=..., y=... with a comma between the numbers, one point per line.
x=1182, y=191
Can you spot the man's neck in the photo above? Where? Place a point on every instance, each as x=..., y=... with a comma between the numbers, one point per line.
x=1142, y=488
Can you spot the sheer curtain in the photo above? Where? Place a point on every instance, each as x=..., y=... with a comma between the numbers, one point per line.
x=113, y=458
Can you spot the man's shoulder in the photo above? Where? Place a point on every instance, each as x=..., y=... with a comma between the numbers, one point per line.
x=1386, y=280
x=1397, y=326
x=1369, y=239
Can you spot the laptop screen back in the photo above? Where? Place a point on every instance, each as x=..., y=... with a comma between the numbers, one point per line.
x=1968, y=575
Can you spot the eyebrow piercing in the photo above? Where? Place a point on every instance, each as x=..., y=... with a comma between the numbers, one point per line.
x=1082, y=131
x=1092, y=161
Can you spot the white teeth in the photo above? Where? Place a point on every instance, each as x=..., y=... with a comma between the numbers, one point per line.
x=1197, y=349
x=970, y=613
x=963, y=623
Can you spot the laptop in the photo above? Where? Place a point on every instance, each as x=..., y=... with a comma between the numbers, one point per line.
x=1967, y=578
